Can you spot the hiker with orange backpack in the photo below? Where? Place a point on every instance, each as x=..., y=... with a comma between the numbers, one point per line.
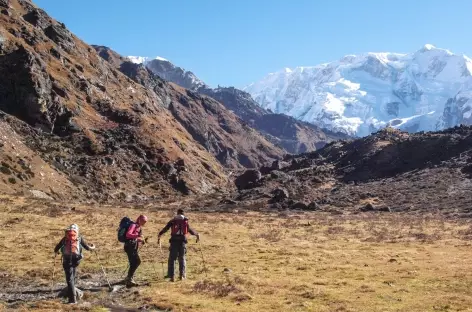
x=71, y=247
x=130, y=233
x=179, y=229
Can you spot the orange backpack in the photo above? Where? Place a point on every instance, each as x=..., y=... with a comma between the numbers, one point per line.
x=71, y=243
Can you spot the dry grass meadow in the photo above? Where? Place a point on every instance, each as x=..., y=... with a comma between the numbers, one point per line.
x=253, y=261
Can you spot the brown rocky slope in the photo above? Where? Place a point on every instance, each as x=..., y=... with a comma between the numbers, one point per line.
x=210, y=123
x=74, y=125
x=292, y=135
x=389, y=171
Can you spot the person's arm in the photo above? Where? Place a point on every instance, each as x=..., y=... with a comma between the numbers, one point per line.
x=86, y=246
x=59, y=246
x=165, y=229
x=132, y=233
x=193, y=232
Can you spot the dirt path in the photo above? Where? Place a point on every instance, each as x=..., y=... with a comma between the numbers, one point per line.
x=21, y=294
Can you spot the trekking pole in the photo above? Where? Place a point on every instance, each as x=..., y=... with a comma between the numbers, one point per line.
x=162, y=260
x=203, y=260
x=153, y=263
x=53, y=274
x=103, y=270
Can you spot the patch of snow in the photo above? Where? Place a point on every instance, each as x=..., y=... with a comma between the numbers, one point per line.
x=138, y=59
x=429, y=47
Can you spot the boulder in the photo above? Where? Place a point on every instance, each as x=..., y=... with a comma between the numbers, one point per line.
x=368, y=207
x=279, y=194
x=313, y=206
x=249, y=179
x=299, y=206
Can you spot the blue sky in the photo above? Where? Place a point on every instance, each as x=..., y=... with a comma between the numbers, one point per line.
x=236, y=42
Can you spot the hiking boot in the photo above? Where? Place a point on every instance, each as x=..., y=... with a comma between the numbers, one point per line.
x=131, y=283
x=172, y=279
x=182, y=277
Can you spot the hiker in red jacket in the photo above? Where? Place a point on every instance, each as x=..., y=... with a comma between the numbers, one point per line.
x=179, y=229
x=134, y=239
x=71, y=247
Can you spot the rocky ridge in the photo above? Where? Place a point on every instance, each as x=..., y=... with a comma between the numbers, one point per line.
x=75, y=125
x=388, y=171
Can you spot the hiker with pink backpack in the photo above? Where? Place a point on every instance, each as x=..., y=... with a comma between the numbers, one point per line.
x=71, y=248
x=131, y=234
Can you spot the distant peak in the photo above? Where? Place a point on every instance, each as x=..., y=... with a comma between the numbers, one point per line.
x=287, y=70
x=432, y=48
x=137, y=59
x=144, y=59
x=428, y=47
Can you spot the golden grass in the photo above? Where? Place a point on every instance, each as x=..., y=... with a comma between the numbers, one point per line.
x=257, y=262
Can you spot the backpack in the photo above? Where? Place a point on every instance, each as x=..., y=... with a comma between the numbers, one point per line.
x=123, y=228
x=179, y=227
x=71, y=243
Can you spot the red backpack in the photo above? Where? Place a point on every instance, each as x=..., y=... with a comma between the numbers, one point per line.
x=71, y=242
x=180, y=227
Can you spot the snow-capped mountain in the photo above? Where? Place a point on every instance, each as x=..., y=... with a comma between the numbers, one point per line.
x=168, y=71
x=430, y=89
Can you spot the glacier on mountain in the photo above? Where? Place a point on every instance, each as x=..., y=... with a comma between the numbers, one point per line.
x=428, y=90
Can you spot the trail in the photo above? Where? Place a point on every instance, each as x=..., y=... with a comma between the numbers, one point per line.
x=96, y=292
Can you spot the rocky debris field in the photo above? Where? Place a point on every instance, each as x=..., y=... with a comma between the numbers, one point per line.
x=388, y=171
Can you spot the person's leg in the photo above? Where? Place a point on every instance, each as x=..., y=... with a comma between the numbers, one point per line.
x=182, y=260
x=137, y=260
x=173, y=253
x=78, y=292
x=69, y=271
x=134, y=261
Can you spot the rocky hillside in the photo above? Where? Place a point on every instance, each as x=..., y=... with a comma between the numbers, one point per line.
x=387, y=171
x=292, y=135
x=217, y=129
x=75, y=125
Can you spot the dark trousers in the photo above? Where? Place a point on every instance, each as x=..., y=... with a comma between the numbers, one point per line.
x=70, y=265
x=133, y=258
x=177, y=250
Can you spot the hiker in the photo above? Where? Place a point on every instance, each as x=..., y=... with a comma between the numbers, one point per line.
x=133, y=240
x=71, y=247
x=179, y=229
